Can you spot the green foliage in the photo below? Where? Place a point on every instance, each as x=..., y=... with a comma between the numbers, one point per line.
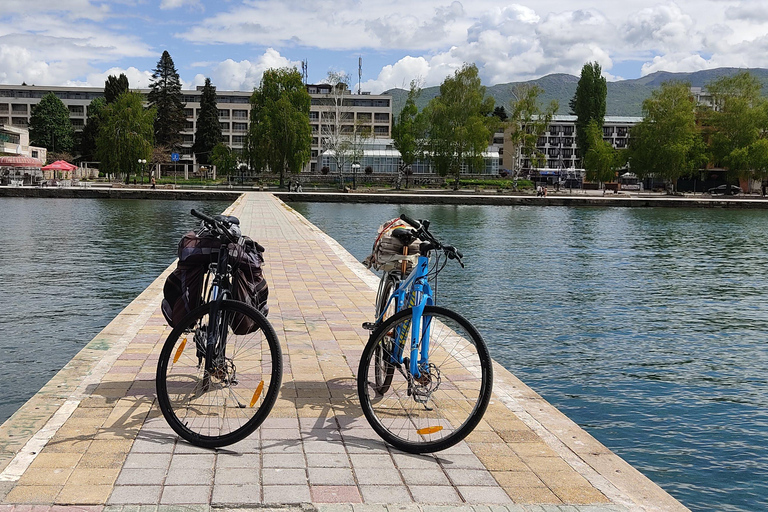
x=460, y=123
x=408, y=133
x=224, y=159
x=125, y=134
x=667, y=143
x=588, y=103
x=739, y=123
x=49, y=125
x=165, y=95
x=280, y=131
x=114, y=87
x=208, y=132
x=501, y=113
x=496, y=183
x=601, y=160
x=529, y=122
x=91, y=129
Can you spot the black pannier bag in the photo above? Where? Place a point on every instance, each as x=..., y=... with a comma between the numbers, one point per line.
x=249, y=285
x=184, y=287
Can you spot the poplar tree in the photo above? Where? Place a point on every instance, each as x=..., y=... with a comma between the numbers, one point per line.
x=529, y=122
x=49, y=125
x=114, y=86
x=408, y=133
x=588, y=103
x=91, y=129
x=165, y=95
x=208, y=132
x=125, y=134
x=280, y=120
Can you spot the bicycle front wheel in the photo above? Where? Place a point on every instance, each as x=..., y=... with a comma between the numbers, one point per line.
x=385, y=308
x=227, y=402
x=445, y=402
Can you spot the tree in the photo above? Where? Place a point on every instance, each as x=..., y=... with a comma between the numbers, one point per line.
x=208, y=132
x=501, y=113
x=588, y=103
x=460, y=124
x=601, y=159
x=49, y=125
x=114, y=87
x=333, y=139
x=224, y=159
x=91, y=129
x=408, y=133
x=125, y=135
x=739, y=121
x=667, y=143
x=280, y=122
x=165, y=95
x=529, y=122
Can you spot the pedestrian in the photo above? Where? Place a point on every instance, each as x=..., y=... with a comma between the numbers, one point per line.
x=298, y=186
x=545, y=191
x=152, y=181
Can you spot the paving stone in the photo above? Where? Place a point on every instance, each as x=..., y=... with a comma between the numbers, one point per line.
x=384, y=476
x=434, y=494
x=290, y=460
x=281, y=476
x=335, y=494
x=287, y=494
x=145, y=476
x=328, y=460
x=481, y=494
x=147, y=460
x=190, y=476
x=135, y=494
x=385, y=494
x=331, y=476
x=424, y=477
x=84, y=494
x=187, y=494
x=245, y=460
x=236, y=494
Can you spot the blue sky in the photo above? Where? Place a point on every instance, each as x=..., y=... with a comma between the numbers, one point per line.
x=81, y=42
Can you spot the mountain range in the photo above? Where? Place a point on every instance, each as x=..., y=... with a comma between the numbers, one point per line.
x=624, y=98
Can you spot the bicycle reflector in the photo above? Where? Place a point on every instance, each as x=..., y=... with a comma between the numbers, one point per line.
x=429, y=430
x=257, y=393
x=179, y=350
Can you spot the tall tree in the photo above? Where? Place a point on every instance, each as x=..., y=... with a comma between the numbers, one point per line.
x=208, y=132
x=588, y=103
x=125, y=135
x=49, y=125
x=224, y=159
x=91, y=129
x=667, y=143
x=115, y=86
x=280, y=120
x=165, y=95
x=460, y=123
x=408, y=133
x=334, y=137
x=601, y=159
x=739, y=121
x=529, y=122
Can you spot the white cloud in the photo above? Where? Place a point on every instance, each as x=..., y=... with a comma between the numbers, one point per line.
x=137, y=79
x=246, y=75
x=175, y=4
x=662, y=27
x=676, y=63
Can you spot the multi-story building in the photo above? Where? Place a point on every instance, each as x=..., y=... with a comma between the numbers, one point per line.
x=19, y=162
x=372, y=112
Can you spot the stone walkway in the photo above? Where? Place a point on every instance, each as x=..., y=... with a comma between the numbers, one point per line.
x=93, y=438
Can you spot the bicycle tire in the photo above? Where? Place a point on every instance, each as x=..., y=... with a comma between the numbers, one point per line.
x=384, y=370
x=222, y=407
x=461, y=381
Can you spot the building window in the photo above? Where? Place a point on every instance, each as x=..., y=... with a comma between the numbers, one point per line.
x=225, y=139
x=20, y=121
x=240, y=114
x=34, y=153
x=76, y=110
x=189, y=125
x=363, y=117
x=238, y=140
x=381, y=117
x=314, y=115
x=223, y=114
x=239, y=127
x=189, y=112
x=19, y=109
x=381, y=130
x=607, y=131
x=224, y=126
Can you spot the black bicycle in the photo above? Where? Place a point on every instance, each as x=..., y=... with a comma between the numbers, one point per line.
x=220, y=369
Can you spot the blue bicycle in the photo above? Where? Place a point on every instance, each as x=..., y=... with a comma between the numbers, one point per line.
x=425, y=377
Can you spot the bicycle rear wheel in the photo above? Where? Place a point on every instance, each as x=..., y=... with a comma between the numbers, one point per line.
x=384, y=370
x=441, y=407
x=224, y=405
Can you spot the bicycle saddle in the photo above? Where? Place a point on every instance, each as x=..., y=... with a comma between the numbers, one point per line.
x=227, y=218
x=406, y=236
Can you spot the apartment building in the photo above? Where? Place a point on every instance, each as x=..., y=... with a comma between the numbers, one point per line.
x=366, y=111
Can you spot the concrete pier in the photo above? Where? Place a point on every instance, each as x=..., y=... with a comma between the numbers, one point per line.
x=93, y=438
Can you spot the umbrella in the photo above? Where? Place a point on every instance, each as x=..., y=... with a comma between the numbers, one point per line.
x=60, y=165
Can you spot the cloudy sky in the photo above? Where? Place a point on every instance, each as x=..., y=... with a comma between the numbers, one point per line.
x=81, y=42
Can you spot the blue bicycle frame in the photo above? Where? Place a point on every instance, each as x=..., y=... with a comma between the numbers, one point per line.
x=413, y=292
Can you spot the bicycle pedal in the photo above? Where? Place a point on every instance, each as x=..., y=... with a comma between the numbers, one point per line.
x=369, y=326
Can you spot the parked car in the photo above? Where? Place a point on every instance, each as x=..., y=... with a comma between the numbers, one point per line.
x=723, y=189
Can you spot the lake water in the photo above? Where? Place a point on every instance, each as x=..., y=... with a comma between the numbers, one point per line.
x=645, y=326
x=67, y=268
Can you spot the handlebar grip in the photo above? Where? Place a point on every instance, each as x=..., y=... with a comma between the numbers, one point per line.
x=202, y=216
x=416, y=224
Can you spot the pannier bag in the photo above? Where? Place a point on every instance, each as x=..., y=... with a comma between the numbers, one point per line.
x=387, y=252
x=183, y=289
x=249, y=285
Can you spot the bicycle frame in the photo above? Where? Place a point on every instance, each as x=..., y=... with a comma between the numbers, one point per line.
x=413, y=292
x=217, y=294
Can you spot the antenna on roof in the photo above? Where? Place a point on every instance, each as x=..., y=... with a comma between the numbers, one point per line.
x=359, y=72
x=304, y=71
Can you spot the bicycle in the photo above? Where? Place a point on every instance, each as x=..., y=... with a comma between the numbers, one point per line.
x=425, y=377
x=214, y=386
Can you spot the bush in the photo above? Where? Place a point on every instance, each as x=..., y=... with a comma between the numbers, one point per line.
x=369, y=170
x=325, y=170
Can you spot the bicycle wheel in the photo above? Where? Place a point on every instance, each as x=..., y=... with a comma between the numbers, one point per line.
x=224, y=405
x=384, y=370
x=446, y=402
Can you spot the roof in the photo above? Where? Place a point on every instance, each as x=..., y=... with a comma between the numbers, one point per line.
x=20, y=161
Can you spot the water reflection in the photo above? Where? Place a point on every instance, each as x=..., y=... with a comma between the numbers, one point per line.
x=645, y=326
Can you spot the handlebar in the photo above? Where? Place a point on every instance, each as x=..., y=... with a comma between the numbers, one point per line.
x=221, y=224
x=422, y=230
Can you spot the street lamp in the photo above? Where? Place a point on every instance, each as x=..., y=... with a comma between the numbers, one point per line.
x=142, y=163
x=355, y=167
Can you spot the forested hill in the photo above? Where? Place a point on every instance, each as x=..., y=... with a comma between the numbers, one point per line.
x=625, y=97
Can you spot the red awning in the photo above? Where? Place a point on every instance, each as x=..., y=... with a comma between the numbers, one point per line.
x=20, y=161
x=60, y=165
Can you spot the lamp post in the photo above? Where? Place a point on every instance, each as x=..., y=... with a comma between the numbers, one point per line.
x=355, y=167
x=142, y=163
